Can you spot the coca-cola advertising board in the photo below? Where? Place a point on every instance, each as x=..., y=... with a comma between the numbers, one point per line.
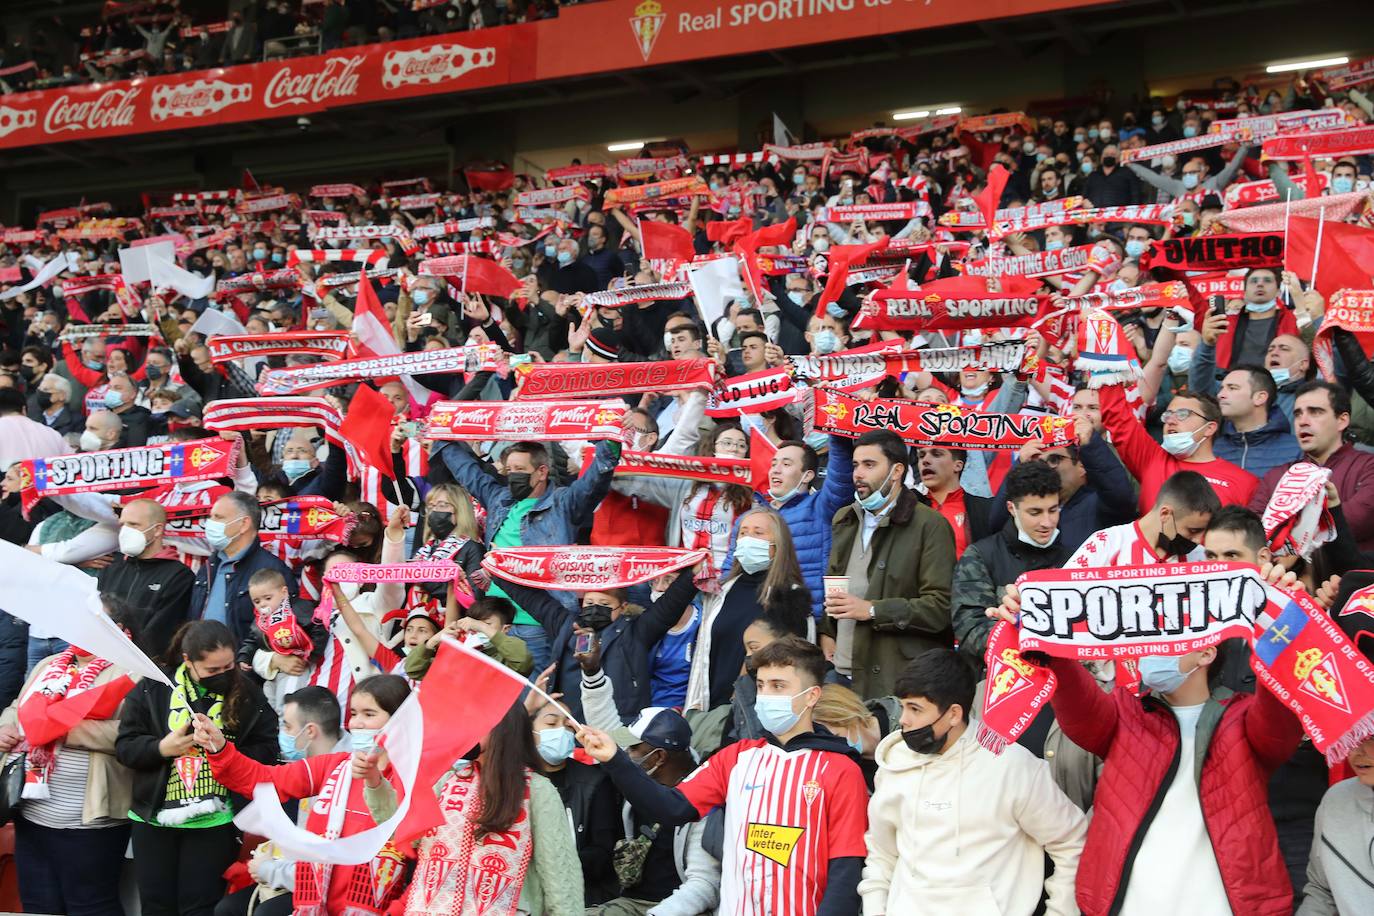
x=604, y=37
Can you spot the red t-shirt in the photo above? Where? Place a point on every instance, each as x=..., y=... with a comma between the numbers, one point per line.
x=1151, y=465
x=787, y=814
x=956, y=514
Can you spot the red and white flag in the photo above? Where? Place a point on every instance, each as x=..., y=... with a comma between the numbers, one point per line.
x=374, y=334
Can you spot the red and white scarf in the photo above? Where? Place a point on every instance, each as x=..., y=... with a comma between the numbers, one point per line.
x=373, y=257
x=587, y=568
x=1296, y=519
x=298, y=379
x=631, y=295
x=329, y=344
x=60, y=680
x=478, y=421
x=551, y=381
x=453, y=227
x=283, y=631
x=942, y=425
x=1351, y=310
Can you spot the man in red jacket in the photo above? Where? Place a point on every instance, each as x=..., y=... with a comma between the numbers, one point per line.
x=1190, y=425
x=1321, y=414
x=1180, y=822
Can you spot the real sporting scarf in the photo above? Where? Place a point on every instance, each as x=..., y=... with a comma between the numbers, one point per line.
x=398, y=184
x=1035, y=264
x=913, y=310
x=1225, y=285
x=373, y=257
x=780, y=265
x=1250, y=193
x=1185, y=145
x=852, y=371
x=406, y=573
x=1167, y=295
x=1262, y=127
x=286, y=278
x=967, y=220
x=125, y=469
x=1351, y=310
x=588, y=172
x=551, y=381
x=366, y=233
x=1104, y=351
x=1010, y=675
x=583, y=569
x=985, y=123
x=477, y=421
x=867, y=212
x=337, y=190
x=632, y=295
x=453, y=227
x=942, y=425
x=1277, y=217
x=283, y=632
x=61, y=698
x=1216, y=252
x=125, y=297
x=1299, y=654
x=298, y=379
x=752, y=393
x=543, y=197
x=1330, y=144
x=329, y=344
x=1152, y=214
x=270, y=203
x=801, y=152
x=305, y=518
x=676, y=187
x=417, y=201
x=1296, y=519
x=171, y=213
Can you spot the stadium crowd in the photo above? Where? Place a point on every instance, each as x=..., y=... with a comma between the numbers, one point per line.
x=773, y=686
x=136, y=38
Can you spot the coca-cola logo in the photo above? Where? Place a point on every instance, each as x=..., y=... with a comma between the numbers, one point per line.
x=197, y=98
x=112, y=108
x=12, y=119
x=433, y=64
x=338, y=79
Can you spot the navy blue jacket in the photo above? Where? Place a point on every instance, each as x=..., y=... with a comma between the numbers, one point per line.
x=1268, y=447
x=239, y=615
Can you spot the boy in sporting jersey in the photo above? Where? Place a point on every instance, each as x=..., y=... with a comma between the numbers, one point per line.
x=795, y=802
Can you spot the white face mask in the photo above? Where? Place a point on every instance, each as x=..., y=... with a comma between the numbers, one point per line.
x=90, y=442
x=132, y=541
x=1179, y=358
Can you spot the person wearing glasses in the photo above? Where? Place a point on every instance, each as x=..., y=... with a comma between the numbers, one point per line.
x=1190, y=426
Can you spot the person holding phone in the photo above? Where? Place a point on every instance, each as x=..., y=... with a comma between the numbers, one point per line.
x=183, y=833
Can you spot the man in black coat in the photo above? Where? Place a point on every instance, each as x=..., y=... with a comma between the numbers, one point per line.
x=157, y=591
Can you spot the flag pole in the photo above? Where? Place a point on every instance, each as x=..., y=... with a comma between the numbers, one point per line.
x=1287, y=210
x=1317, y=250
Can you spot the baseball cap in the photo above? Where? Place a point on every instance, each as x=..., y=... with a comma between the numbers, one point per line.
x=656, y=726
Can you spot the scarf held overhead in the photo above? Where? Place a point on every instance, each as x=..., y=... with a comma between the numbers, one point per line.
x=943, y=425
x=125, y=468
x=587, y=568
x=326, y=375
x=551, y=381
x=477, y=421
x=226, y=347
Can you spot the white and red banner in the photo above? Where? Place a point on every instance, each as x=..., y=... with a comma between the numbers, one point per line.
x=298, y=379
x=632, y=295
x=575, y=568
x=329, y=344
x=866, y=212
x=1035, y=264
x=943, y=425
x=753, y=392
x=476, y=421
x=125, y=468
x=1351, y=310
x=1330, y=144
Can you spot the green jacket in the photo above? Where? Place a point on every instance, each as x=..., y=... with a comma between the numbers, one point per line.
x=510, y=651
x=909, y=570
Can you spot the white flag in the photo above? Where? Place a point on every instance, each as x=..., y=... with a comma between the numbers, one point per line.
x=713, y=283
x=781, y=135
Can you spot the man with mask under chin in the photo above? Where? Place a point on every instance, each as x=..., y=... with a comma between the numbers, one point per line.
x=531, y=509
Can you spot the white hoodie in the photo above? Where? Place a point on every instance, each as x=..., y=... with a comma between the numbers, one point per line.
x=963, y=832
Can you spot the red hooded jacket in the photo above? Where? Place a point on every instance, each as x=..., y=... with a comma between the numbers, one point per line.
x=1240, y=742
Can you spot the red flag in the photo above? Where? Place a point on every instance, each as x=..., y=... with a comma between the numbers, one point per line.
x=249, y=182
x=840, y=257
x=666, y=241
x=486, y=276
x=727, y=233
x=489, y=177
x=1347, y=254
x=367, y=425
x=761, y=452
x=748, y=248
x=488, y=689
x=988, y=198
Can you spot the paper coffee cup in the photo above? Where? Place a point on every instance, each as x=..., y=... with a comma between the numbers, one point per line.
x=835, y=585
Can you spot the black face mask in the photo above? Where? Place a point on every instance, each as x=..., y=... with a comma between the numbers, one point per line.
x=219, y=684
x=1109, y=162
x=923, y=740
x=441, y=523
x=153, y=372
x=594, y=617
x=26, y=372
x=519, y=483
x=44, y=400
x=1176, y=546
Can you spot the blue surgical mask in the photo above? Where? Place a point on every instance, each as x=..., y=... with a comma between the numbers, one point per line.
x=278, y=258
x=550, y=250
x=1053, y=244
x=286, y=744
x=295, y=468
x=1094, y=133
x=1079, y=137
x=1117, y=286
x=565, y=257
x=420, y=297
x=775, y=713
x=1157, y=121
x=835, y=310
x=826, y=341
x=363, y=740
x=799, y=178
x=1160, y=673
x=1281, y=376
x=216, y=534
x=874, y=501
x=1255, y=308
x=1179, y=358
x=1086, y=168
x=113, y=399
x=259, y=254
x=753, y=553
x=555, y=745
x=817, y=440
x=1135, y=248
x=797, y=296
x=1342, y=184
x=855, y=744
x=1189, y=130
x=1190, y=180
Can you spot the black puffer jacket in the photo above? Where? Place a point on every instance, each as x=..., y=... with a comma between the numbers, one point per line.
x=143, y=725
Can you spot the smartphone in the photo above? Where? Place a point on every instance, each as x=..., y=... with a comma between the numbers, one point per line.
x=426, y=318
x=520, y=359
x=583, y=644
x=412, y=428
x=1218, y=305
x=319, y=314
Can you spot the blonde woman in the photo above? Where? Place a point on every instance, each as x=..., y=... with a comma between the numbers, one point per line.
x=449, y=534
